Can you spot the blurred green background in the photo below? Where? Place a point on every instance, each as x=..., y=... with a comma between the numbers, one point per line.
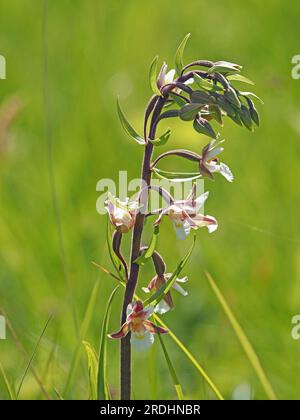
x=68, y=128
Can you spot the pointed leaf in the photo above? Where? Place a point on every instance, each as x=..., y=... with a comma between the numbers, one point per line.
x=179, y=55
x=251, y=94
x=206, y=84
x=127, y=126
x=203, y=127
x=103, y=391
x=177, y=176
x=189, y=111
x=240, y=78
x=153, y=76
x=142, y=259
x=163, y=139
x=92, y=369
x=171, y=368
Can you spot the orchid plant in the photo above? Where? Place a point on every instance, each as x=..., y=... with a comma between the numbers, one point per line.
x=204, y=93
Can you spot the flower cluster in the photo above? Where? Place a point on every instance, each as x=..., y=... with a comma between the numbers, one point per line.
x=204, y=93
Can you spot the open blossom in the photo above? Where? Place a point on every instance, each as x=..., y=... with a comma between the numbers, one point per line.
x=166, y=77
x=142, y=330
x=209, y=162
x=122, y=214
x=185, y=216
x=167, y=302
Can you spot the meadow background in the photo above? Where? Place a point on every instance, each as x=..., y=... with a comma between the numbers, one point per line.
x=67, y=136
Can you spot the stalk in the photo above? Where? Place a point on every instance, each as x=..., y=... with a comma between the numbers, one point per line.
x=125, y=372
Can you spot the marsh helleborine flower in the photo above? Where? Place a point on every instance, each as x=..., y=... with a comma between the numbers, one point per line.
x=142, y=330
x=209, y=162
x=166, y=304
x=184, y=215
x=122, y=214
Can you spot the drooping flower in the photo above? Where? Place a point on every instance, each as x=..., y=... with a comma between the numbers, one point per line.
x=122, y=214
x=209, y=162
x=142, y=330
x=185, y=215
x=166, y=304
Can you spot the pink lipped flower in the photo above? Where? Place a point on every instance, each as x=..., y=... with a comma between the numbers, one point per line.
x=185, y=215
x=142, y=330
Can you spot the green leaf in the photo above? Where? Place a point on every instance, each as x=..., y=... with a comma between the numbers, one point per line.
x=113, y=257
x=151, y=248
x=253, y=112
x=177, y=176
x=189, y=111
x=224, y=67
x=203, y=127
x=200, y=97
x=246, y=117
x=206, y=84
x=240, y=78
x=231, y=95
x=172, y=371
x=245, y=343
x=9, y=388
x=93, y=369
x=163, y=290
x=127, y=126
x=178, y=100
x=153, y=76
x=103, y=392
x=163, y=139
x=247, y=94
x=179, y=55
x=215, y=113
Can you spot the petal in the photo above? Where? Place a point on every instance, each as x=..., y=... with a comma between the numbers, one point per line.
x=169, y=77
x=147, y=312
x=162, y=307
x=205, y=221
x=122, y=333
x=201, y=200
x=182, y=280
x=154, y=329
x=142, y=342
x=182, y=230
x=180, y=289
x=145, y=289
x=129, y=309
x=226, y=172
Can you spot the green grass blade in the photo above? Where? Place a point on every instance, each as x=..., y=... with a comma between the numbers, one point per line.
x=103, y=392
x=173, y=374
x=142, y=259
x=245, y=343
x=93, y=369
x=191, y=358
x=83, y=330
x=33, y=356
x=9, y=388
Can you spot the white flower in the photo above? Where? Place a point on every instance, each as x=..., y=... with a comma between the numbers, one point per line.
x=122, y=214
x=209, y=162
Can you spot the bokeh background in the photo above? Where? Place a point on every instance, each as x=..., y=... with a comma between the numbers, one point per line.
x=63, y=135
